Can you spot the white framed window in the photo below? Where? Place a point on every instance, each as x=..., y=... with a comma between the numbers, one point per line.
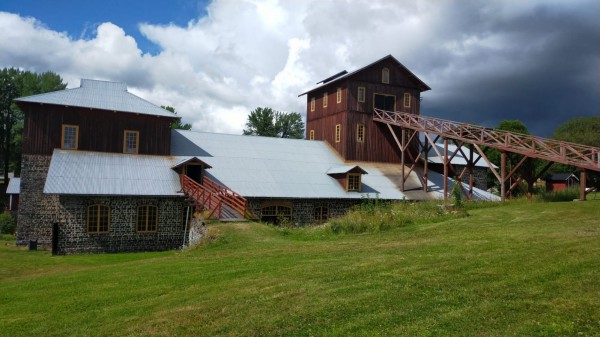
x=325, y=99
x=338, y=95
x=361, y=94
x=312, y=104
x=70, y=137
x=131, y=141
x=360, y=133
x=407, y=99
x=338, y=133
x=385, y=75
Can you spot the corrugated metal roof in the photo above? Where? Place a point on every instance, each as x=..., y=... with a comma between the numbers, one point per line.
x=14, y=186
x=424, y=87
x=458, y=159
x=104, y=95
x=287, y=168
x=98, y=173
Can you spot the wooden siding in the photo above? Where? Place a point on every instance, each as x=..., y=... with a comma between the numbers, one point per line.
x=99, y=130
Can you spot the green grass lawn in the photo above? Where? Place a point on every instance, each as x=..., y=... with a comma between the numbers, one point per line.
x=525, y=269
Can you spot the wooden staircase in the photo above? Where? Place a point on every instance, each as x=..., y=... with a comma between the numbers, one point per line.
x=223, y=203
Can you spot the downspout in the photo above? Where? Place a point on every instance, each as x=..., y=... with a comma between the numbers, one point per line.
x=187, y=218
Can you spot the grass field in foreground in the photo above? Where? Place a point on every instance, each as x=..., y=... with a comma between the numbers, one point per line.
x=530, y=269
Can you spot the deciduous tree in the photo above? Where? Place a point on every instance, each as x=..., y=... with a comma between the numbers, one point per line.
x=16, y=83
x=269, y=123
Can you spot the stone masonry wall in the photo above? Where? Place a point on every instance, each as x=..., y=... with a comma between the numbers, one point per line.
x=122, y=236
x=303, y=209
x=37, y=211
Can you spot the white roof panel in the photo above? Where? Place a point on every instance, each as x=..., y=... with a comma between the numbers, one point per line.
x=99, y=173
x=104, y=95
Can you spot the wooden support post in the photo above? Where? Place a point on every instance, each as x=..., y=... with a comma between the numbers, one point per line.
x=582, y=184
x=503, y=175
x=425, y=164
x=471, y=166
x=445, y=169
x=403, y=149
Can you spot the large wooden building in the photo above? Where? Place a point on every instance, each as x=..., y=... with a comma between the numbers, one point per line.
x=102, y=171
x=340, y=110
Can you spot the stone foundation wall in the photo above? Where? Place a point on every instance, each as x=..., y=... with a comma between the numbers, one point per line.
x=303, y=209
x=37, y=211
x=122, y=236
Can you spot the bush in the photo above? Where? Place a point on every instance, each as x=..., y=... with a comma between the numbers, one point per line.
x=569, y=194
x=7, y=224
x=373, y=215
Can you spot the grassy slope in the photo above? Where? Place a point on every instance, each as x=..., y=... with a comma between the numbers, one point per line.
x=527, y=269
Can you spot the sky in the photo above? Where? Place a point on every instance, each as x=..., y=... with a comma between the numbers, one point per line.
x=215, y=61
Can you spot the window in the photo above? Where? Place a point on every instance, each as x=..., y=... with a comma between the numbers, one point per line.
x=131, y=141
x=325, y=99
x=353, y=182
x=361, y=94
x=312, y=104
x=321, y=214
x=384, y=102
x=311, y=135
x=69, y=139
x=147, y=219
x=385, y=75
x=276, y=214
x=338, y=95
x=407, y=100
x=98, y=219
x=360, y=133
x=338, y=133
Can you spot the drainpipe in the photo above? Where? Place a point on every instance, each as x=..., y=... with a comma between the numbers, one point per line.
x=187, y=218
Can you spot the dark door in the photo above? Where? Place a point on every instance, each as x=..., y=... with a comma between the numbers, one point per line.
x=385, y=102
x=55, y=238
x=194, y=172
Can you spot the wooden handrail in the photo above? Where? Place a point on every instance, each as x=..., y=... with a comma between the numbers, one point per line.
x=230, y=198
x=202, y=197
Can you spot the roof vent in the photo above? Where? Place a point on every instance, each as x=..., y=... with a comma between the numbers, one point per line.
x=331, y=78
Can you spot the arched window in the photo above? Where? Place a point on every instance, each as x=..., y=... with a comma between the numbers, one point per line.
x=276, y=213
x=98, y=219
x=385, y=75
x=147, y=219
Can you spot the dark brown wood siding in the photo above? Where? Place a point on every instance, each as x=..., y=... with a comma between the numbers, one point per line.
x=379, y=144
x=99, y=130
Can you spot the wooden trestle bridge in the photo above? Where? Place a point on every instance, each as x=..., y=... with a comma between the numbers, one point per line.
x=518, y=148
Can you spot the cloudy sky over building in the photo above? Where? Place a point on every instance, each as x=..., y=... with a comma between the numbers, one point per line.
x=215, y=61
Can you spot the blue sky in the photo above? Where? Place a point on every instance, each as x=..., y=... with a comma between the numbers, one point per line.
x=81, y=18
x=216, y=60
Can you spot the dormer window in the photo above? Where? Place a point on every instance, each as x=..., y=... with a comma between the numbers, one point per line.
x=385, y=75
x=353, y=182
x=70, y=135
x=349, y=177
x=131, y=141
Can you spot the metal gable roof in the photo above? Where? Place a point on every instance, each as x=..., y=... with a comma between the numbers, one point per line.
x=335, y=79
x=104, y=95
x=432, y=156
x=269, y=167
x=99, y=173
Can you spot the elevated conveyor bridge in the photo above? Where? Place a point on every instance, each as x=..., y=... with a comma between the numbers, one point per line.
x=510, y=144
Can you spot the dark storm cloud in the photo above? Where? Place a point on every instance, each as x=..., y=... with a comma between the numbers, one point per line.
x=541, y=66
